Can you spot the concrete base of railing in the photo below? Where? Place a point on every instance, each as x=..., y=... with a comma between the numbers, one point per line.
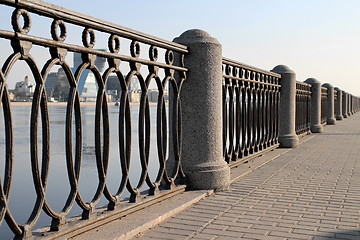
x=209, y=177
x=330, y=121
x=339, y=117
x=316, y=128
x=289, y=141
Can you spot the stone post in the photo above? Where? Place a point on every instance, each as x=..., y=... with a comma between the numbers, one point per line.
x=202, y=123
x=287, y=134
x=330, y=119
x=338, y=106
x=315, y=113
x=344, y=105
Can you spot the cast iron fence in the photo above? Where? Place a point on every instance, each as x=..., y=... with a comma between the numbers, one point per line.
x=251, y=103
x=302, y=110
x=250, y=109
x=336, y=99
x=161, y=73
x=324, y=95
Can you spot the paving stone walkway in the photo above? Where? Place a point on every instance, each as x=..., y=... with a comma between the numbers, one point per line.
x=311, y=192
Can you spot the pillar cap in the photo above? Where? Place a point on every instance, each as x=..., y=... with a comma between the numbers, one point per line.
x=195, y=35
x=311, y=81
x=282, y=69
x=337, y=89
x=327, y=85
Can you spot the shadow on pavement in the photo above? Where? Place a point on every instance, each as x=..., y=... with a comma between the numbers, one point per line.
x=349, y=134
x=348, y=235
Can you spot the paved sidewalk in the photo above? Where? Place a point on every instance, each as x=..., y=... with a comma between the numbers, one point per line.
x=311, y=192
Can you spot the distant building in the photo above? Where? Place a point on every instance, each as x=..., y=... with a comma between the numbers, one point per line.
x=87, y=86
x=57, y=85
x=134, y=96
x=113, y=88
x=134, y=85
x=153, y=95
x=50, y=82
x=24, y=90
x=62, y=86
x=11, y=95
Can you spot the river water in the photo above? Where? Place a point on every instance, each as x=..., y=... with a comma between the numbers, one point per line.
x=22, y=196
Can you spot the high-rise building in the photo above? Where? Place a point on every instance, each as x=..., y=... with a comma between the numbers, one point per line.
x=87, y=86
x=57, y=85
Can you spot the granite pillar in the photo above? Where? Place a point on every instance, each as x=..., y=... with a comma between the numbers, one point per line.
x=202, y=123
x=287, y=134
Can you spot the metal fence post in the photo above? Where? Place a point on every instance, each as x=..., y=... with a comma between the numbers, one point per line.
x=202, y=123
x=287, y=134
x=330, y=119
x=315, y=117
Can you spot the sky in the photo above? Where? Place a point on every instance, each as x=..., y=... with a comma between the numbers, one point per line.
x=315, y=38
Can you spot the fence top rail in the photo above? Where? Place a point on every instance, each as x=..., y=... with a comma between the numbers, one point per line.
x=248, y=67
x=303, y=84
x=52, y=11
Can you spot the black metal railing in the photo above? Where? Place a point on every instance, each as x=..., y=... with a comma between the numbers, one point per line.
x=136, y=112
x=159, y=69
x=351, y=104
x=324, y=95
x=250, y=109
x=336, y=99
x=302, y=111
x=355, y=104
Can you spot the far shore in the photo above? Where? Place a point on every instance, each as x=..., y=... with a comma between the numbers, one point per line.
x=59, y=104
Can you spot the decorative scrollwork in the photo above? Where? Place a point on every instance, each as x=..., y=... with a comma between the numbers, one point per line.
x=247, y=74
x=251, y=104
x=169, y=57
x=235, y=71
x=88, y=32
x=227, y=69
x=252, y=75
x=135, y=49
x=302, y=112
x=182, y=60
x=100, y=66
x=262, y=78
x=153, y=53
x=114, y=43
x=16, y=24
x=54, y=34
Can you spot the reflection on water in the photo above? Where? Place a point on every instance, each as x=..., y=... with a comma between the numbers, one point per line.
x=23, y=196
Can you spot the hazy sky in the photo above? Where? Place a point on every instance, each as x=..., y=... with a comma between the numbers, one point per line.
x=315, y=38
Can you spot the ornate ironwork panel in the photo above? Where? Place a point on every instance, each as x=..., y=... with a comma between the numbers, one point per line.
x=163, y=67
x=250, y=109
x=324, y=95
x=351, y=109
x=302, y=112
x=335, y=101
